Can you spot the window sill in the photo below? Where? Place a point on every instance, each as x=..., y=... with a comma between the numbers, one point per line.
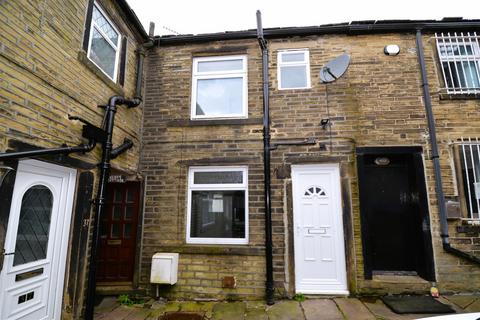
x=82, y=57
x=239, y=250
x=214, y=122
x=459, y=96
x=295, y=89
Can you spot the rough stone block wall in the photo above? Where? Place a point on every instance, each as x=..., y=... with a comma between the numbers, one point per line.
x=45, y=77
x=378, y=102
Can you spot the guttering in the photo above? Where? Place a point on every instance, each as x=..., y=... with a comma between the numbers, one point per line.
x=357, y=27
x=269, y=289
x=83, y=148
x=435, y=158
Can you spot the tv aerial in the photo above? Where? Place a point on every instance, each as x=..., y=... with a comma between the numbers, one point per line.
x=335, y=68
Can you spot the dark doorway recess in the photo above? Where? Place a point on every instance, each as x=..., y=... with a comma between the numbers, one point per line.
x=394, y=211
x=119, y=233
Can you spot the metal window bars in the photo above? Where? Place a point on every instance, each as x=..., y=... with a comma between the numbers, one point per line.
x=459, y=55
x=470, y=162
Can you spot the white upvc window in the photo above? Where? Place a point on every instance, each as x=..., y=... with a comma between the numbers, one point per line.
x=293, y=69
x=104, y=43
x=219, y=87
x=217, y=209
x=459, y=55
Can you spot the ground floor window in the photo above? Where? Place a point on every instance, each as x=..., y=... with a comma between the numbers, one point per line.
x=217, y=205
x=470, y=167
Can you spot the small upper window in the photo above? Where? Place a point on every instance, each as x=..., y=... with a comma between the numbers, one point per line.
x=459, y=56
x=219, y=87
x=217, y=205
x=293, y=69
x=104, y=43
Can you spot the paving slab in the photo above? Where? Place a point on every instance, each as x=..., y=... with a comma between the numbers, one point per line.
x=118, y=313
x=229, y=311
x=106, y=305
x=353, y=308
x=451, y=304
x=474, y=307
x=139, y=314
x=256, y=314
x=462, y=300
x=324, y=309
x=285, y=310
x=194, y=306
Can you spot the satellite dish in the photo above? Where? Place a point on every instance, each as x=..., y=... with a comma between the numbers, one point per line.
x=335, y=68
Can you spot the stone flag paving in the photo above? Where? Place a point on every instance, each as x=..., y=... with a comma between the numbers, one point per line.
x=310, y=309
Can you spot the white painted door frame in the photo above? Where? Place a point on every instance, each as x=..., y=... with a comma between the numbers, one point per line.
x=45, y=288
x=319, y=248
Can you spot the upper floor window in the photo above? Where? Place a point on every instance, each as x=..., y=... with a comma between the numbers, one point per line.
x=293, y=69
x=217, y=205
x=104, y=43
x=219, y=87
x=459, y=55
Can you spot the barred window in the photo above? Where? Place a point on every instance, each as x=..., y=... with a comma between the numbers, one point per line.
x=459, y=55
x=470, y=167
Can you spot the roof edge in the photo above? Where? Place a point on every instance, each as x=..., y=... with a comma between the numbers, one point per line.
x=355, y=27
x=133, y=18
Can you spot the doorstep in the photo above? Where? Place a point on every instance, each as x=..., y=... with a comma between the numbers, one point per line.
x=117, y=288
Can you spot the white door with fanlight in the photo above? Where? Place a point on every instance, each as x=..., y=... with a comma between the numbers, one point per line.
x=318, y=230
x=32, y=276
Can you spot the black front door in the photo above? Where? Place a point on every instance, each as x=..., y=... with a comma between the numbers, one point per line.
x=394, y=216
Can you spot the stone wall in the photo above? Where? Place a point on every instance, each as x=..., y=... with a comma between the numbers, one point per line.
x=45, y=76
x=378, y=102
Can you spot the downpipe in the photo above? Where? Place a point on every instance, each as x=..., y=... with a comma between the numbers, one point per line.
x=105, y=166
x=444, y=234
x=269, y=287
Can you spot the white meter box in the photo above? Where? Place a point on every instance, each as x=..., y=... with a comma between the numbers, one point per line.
x=164, y=268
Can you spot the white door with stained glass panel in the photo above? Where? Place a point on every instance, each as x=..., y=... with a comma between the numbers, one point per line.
x=318, y=230
x=32, y=276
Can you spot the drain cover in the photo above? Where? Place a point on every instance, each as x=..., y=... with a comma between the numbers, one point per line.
x=182, y=316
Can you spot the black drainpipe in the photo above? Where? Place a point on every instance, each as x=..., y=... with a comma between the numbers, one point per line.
x=266, y=163
x=107, y=148
x=435, y=158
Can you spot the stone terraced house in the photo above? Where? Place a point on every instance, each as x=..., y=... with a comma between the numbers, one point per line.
x=374, y=178
x=60, y=59
x=354, y=204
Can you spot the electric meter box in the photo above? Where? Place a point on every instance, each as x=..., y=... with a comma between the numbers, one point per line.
x=164, y=268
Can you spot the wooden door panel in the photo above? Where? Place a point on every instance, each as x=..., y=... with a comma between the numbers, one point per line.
x=119, y=228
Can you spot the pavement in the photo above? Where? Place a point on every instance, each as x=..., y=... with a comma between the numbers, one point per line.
x=309, y=309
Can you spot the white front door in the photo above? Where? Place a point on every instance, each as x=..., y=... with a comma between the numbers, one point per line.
x=32, y=276
x=318, y=230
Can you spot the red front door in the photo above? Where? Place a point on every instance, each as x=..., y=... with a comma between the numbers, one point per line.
x=118, y=233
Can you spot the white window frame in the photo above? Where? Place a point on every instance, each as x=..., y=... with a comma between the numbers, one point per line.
x=217, y=187
x=281, y=64
x=196, y=75
x=105, y=37
x=451, y=41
